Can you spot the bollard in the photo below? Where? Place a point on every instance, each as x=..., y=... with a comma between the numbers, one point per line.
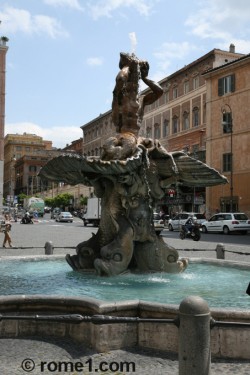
x=220, y=251
x=194, y=337
x=49, y=248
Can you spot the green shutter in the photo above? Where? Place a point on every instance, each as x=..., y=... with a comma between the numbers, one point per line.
x=220, y=86
x=232, y=82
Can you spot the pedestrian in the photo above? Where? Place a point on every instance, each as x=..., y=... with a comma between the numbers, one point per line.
x=6, y=231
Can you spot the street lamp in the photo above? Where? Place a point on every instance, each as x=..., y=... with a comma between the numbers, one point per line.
x=227, y=124
x=12, y=181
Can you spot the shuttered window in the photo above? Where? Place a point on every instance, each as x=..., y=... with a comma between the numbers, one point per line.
x=226, y=84
x=227, y=162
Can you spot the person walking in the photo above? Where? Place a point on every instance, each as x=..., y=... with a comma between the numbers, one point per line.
x=7, y=230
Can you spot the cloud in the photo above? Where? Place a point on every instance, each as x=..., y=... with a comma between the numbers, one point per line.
x=59, y=135
x=19, y=20
x=105, y=8
x=74, y=4
x=94, y=61
x=168, y=52
x=226, y=20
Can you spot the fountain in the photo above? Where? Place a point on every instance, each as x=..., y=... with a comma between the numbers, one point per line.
x=130, y=176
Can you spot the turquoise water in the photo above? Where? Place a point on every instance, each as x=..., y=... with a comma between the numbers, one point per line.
x=219, y=286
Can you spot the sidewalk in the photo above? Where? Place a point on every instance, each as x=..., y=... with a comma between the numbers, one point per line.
x=47, y=356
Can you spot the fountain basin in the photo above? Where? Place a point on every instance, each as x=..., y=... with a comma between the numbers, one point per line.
x=222, y=284
x=224, y=341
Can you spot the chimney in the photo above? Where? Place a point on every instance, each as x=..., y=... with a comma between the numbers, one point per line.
x=232, y=48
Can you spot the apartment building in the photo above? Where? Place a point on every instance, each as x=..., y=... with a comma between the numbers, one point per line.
x=24, y=154
x=96, y=132
x=228, y=134
x=75, y=146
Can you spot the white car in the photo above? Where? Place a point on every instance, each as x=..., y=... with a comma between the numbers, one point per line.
x=180, y=219
x=65, y=216
x=158, y=223
x=227, y=222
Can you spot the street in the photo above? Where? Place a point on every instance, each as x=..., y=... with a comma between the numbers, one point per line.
x=65, y=236
x=232, y=238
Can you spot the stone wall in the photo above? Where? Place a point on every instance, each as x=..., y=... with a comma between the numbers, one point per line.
x=227, y=342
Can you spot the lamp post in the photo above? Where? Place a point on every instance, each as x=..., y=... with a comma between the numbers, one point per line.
x=12, y=181
x=227, y=124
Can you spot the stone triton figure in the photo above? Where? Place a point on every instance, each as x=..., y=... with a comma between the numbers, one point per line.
x=128, y=106
x=130, y=176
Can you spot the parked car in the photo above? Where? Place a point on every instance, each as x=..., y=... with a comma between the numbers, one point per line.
x=55, y=212
x=227, y=222
x=64, y=216
x=180, y=219
x=158, y=223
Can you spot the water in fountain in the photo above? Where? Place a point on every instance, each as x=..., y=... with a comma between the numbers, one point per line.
x=220, y=286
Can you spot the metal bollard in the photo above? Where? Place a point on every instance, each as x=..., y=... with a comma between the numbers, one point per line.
x=194, y=337
x=49, y=248
x=220, y=251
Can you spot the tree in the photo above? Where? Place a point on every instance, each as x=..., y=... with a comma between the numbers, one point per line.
x=21, y=197
x=63, y=200
x=50, y=202
x=83, y=201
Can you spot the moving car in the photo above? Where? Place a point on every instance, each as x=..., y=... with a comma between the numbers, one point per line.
x=64, y=216
x=180, y=219
x=158, y=223
x=227, y=222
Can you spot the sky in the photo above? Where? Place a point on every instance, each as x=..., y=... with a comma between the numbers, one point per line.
x=63, y=55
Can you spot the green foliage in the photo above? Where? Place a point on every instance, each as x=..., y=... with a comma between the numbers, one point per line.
x=63, y=200
x=50, y=202
x=21, y=197
x=83, y=201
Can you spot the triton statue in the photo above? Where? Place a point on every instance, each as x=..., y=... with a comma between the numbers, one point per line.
x=130, y=176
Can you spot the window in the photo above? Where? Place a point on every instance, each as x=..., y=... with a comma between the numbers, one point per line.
x=175, y=127
x=18, y=148
x=196, y=82
x=165, y=128
x=166, y=97
x=175, y=92
x=227, y=122
x=226, y=85
x=148, y=132
x=186, y=87
x=185, y=121
x=157, y=133
x=195, y=116
x=32, y=168
x=227, y=162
